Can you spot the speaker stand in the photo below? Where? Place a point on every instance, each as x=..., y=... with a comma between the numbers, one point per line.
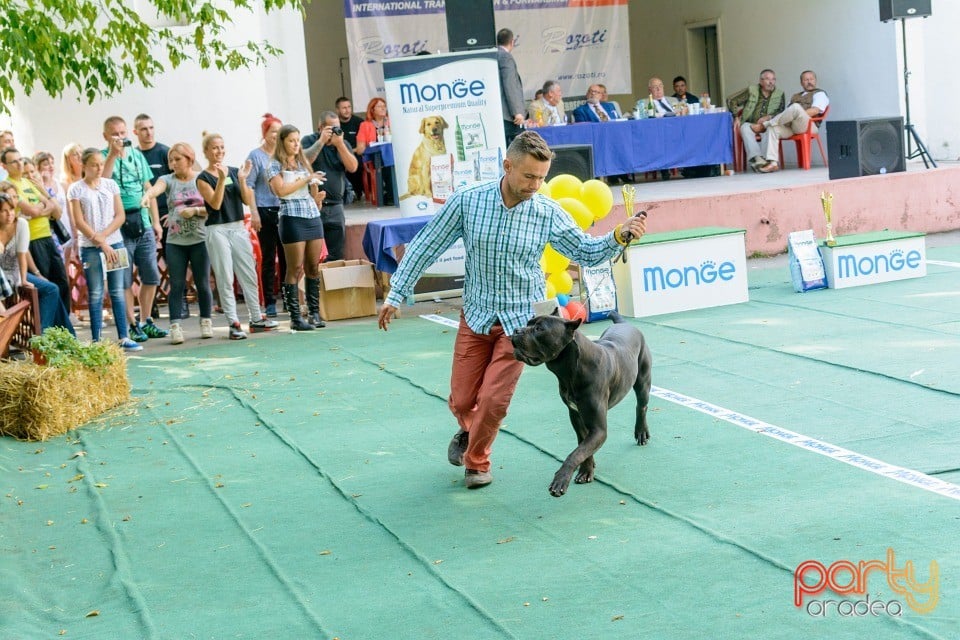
x=921, y=151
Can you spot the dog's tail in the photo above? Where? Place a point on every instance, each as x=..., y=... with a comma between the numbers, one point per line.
x=616, y=317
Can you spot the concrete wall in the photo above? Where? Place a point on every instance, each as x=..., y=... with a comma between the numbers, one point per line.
x=934, y=92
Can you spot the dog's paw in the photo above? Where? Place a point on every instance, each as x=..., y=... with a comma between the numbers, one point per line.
x=642, y=436
x=559, y=485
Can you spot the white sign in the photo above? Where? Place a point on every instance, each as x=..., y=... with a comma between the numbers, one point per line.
x=707, y=270
x=872, y=262
x=576, y=43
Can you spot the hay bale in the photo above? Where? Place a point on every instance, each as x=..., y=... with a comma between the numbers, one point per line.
x=39, y=402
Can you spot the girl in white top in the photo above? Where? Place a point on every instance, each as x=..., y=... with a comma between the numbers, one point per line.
x=97, y=214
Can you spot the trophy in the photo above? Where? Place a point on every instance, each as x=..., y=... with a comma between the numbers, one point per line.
x=628, y=191
x=826, y=199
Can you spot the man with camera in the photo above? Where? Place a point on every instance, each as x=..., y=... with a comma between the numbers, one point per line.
x=141, y=229
x=327, y=151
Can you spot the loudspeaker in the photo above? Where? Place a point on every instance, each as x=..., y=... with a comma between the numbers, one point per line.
x=575, y=159
x=865, y=147
x=895, y=9
x=470, y=25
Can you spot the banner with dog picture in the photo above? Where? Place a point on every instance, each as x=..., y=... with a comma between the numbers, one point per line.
x=444, y=117
x=576, y=42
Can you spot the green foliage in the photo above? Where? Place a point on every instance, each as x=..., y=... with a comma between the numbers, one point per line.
x=98, y=47
x=61, y=349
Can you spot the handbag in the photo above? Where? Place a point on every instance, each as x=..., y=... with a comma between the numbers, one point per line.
x=132, y=227
x=60, y=230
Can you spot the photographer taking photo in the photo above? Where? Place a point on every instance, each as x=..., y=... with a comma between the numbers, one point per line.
x=327, y=151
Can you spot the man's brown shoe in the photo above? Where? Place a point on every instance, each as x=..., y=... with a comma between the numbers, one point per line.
x=770, y=167
x=458, y=447
x=476, y=479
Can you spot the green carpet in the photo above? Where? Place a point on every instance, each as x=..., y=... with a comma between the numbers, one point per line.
x=297, y=487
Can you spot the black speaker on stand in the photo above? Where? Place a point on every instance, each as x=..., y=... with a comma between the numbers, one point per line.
x=575, y=159
x=470, y=25
x=865, y=147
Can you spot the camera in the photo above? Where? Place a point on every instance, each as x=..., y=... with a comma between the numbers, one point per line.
x=127, y=142
x=337, y=131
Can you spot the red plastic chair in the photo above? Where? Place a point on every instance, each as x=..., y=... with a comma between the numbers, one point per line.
x=805, y=142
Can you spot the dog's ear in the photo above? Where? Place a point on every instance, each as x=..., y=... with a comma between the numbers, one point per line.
x=423, y=125
x=443, y=123
x=573, y=325
x=556, y=312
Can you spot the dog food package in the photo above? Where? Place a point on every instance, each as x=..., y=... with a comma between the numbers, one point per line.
x=470, y=134
x=441, y=177
x=464, y=174
x=596, y=284
x=489, y=163
x=806, y=263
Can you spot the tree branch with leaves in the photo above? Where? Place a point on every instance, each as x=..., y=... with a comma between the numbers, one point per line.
x=98, y=47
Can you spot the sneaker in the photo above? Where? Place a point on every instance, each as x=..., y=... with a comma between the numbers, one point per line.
x=137, y=334
x=176, y=333
x=263, y=325
x=206, y=328
x=236, y=332
x=476, y=479
x=129, y=345
x=153, y=331
x=271, y=310
x=458, y=446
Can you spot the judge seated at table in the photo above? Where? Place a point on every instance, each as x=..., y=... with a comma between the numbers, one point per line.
x=663, y=105
x=594, y=110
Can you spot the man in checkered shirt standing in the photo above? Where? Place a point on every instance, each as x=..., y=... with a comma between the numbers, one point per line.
x=504, y=225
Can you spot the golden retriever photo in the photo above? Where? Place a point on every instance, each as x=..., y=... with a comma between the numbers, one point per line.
x=432, y=144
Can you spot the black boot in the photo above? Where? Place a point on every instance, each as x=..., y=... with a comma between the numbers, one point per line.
x=313, y=303
x=291, y=297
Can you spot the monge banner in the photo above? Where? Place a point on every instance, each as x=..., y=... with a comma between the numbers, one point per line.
x=444, y=109
x=576, y=42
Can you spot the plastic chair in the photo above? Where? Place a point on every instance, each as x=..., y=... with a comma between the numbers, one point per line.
x=370, y=182
x=805, y=142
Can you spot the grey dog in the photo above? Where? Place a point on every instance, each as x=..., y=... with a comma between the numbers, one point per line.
x=593, y=376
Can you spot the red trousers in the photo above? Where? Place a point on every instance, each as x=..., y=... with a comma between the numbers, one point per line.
x=482, y=383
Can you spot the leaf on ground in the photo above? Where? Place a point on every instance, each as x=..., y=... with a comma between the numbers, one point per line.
x=506, y=540
x=93, y=614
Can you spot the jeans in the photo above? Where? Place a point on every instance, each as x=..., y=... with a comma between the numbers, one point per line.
x=334, y=230
x=177, y=258
x=93, y=272
x=270, y=249
x=52, y=311
x=50, y=263
x=142, y=252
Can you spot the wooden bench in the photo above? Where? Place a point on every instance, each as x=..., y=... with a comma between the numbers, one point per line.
x=9, y=324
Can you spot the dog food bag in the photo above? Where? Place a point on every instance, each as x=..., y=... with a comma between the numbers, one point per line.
x=441, y=177
x=597, y=285
x=806, y=263
x=464, y=174
x=489, y=163
x=470, y=134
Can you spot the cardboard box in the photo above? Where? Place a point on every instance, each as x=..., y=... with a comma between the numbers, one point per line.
x=347, y=290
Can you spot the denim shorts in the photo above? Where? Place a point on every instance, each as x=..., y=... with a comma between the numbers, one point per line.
x=143, y=256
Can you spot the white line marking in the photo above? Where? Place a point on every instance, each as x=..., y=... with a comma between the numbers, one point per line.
x=900, y=474
x=944, y=263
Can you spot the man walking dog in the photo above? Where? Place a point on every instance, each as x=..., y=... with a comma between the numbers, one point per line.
x=504, y=224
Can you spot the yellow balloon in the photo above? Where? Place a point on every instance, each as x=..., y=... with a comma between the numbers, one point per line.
x=598, y=198
x=553, y=261
x=544, y=189
x=561, y=281
x=551, y=291
x=581, y=215
x=565, y=186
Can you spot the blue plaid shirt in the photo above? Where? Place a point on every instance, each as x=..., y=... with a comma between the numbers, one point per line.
x=503, y=246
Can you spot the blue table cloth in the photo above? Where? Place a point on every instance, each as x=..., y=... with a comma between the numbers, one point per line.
x=635, y=146
x=382, y=149
x=382, y=236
